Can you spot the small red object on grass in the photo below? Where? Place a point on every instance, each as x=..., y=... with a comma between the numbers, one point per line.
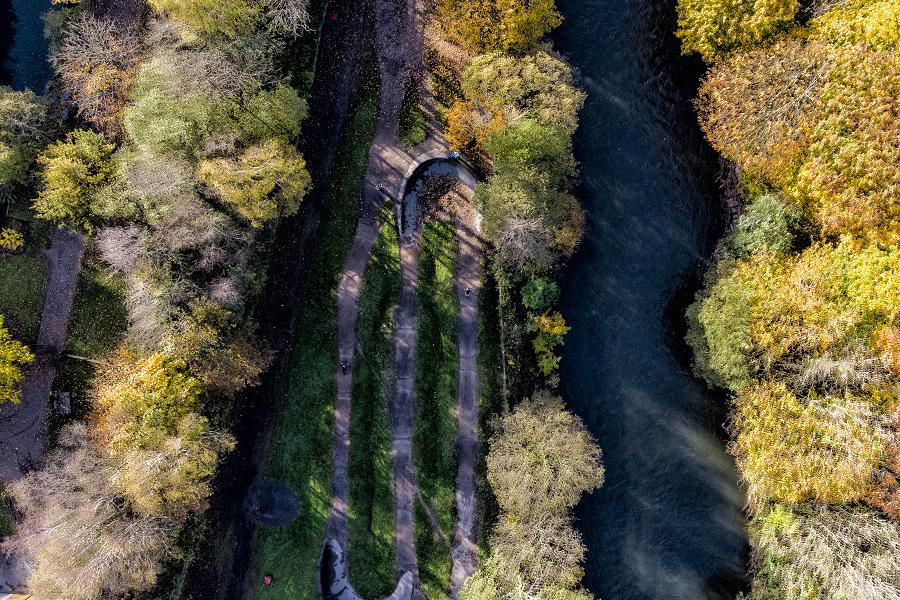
x=267, y=580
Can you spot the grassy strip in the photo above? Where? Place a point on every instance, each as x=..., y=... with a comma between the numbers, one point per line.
x=412, y=121
x=490, y=376
x=7, y=521
x=370, y=528
x=301, y=445
x=23, y=280
x=436, y=395
x=97, y=322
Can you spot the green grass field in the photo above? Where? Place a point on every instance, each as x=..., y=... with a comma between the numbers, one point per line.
x=23, y=279
x=436, y=394
x=300, y=454
x=370, y=534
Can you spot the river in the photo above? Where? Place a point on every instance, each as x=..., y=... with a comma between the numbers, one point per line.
x=668, y=523
x=23, y=48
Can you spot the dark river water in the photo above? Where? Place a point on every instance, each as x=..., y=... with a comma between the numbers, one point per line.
x=23, y=49
x=668, y=523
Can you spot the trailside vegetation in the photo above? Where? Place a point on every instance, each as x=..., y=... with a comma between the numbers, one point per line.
x=799, y=317
x=182, y=169
x=514, y=105
x=14, y=356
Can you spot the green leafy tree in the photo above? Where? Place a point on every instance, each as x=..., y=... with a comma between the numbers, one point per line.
x=14, y=356
x=273, y=113
x=169, y=112
x=768, y=222
x=713, y=28
x=74, y=172
x=264, y=182
x=500, y=88
x=540, y=293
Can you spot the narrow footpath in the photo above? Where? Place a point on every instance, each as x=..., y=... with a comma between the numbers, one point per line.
x=468, y=283
x=23, y=426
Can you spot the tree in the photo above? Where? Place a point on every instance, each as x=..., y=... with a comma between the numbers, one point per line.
x=541, y=458
x=95, y=60
x=850, y=171
x=756, y=108
x=14, y=356
x=211, y=18
x=773, y=312
x=170, y=112
x=792, y=449
x=491, y=25
x=171, y=479
x=875, y=23
x=273, y=113
x=822, y=552
x=25, y=127
x=225, y=358
x=75, y=171
x=80, y=538
x=713, y=28
x=540, y=293
x=266, y=181
x=500, y=88
x=142, y=401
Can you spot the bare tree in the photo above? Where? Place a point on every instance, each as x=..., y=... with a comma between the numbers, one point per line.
x=123, y=248
x=289, y=16
x=525, y=244
x=78, y=539
x=96, y=61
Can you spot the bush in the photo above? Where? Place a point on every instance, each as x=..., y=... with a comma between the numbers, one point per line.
x=768, y=223
x=14, y=356
x=11, y=240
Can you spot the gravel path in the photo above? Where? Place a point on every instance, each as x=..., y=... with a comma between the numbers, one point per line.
x=468, y=277
x=402, y=411
x=23, y=426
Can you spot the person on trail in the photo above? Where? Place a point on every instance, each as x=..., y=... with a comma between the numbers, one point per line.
x=468, y=291
x=344, y=367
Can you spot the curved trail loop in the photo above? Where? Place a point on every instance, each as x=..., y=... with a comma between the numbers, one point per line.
x=390, y=168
